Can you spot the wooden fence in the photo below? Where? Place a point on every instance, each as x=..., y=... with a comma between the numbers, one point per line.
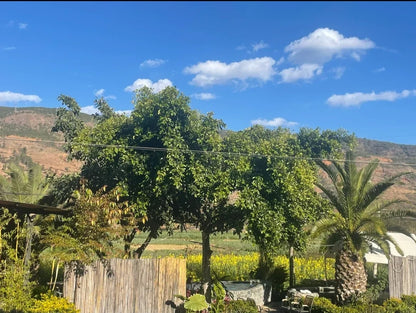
x=402, y=276
x=127, y=286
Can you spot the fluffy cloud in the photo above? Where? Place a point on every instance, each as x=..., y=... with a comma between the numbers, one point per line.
x=215, y=72
x=323, y=44
x=8, y=96
x=203, y=96
x=22, y=26
x=311, y=52
x=355, y=99
x=276, y=122
x=156, y=86
x=152, y=63
x=305, y=71
x=90, y=109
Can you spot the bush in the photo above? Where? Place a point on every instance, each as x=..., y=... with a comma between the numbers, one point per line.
x=409, y=300
x=52, y=304
x=394, y=305
x=241, y=306
x=324, y=305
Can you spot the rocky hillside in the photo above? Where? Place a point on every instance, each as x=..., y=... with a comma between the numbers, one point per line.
x=29, y=129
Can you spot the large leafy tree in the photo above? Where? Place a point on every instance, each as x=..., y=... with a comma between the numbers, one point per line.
x=168, y=159
x=279, y=189
x=357, y=220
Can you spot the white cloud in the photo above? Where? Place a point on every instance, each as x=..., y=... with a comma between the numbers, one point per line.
x=8, y=96
x=90, y=109
x=276, y=122
x=355, y=99
x=379, y=70
x=215, y=72
x=152, y=63
x=99, y=93
x=22, y=26
x=338, y=71
x=258, y=46
x=204, y=96
x=9, y=48
x=305, y=71
x=323, y=44
x=156, y=86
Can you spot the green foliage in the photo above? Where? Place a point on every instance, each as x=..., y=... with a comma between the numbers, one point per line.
x=324, y=305
x=15, y=294
x=68, y=120
x=376, y=285
x=26, y=185
x=49, y=303
x=15, y=290
x=241, y=306
x=218, y=296
x=196, y=303
x=410, y=300
x=394, y=305
x=407, y=305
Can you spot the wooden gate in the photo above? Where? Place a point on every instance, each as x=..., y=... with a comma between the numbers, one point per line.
x=127, y=286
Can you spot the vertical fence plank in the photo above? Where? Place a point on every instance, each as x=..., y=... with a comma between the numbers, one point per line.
x=127, y=286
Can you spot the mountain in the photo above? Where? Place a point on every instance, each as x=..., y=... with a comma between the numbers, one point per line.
x=28, y=130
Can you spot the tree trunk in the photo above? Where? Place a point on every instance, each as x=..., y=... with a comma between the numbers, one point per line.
x=291, y=267
x=350, y=276
x=138, y=253
x=206, y=265
x=127, y=242
x=28, y=248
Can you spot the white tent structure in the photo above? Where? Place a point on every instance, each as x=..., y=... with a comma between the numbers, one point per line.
x=407, y=245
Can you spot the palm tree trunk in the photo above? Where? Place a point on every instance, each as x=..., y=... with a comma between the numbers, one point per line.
x=350, y=276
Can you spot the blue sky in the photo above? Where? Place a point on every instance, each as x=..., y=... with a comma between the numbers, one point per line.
x=349, y=65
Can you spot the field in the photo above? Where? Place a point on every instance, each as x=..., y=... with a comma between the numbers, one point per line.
x=189, y=242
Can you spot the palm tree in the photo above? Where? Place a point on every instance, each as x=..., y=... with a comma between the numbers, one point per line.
x=355, y=222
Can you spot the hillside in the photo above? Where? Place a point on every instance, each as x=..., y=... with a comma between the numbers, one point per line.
x=30, y=129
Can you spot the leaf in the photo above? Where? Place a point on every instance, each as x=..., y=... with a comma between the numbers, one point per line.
x=196, y=303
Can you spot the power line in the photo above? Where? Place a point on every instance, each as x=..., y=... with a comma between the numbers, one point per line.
x=240, y=154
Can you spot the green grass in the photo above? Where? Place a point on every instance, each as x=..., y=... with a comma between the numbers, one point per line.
x=189, y=242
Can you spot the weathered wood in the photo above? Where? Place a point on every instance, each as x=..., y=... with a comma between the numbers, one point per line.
x=127, y=286
x=402, y=276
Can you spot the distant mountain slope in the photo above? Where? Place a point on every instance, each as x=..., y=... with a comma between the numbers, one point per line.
x=30, y=129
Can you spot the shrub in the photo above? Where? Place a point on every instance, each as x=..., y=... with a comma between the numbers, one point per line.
x=409, y=300
x=52, y=304
x=241, y=306
x=324, y=305
x=395, y=305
